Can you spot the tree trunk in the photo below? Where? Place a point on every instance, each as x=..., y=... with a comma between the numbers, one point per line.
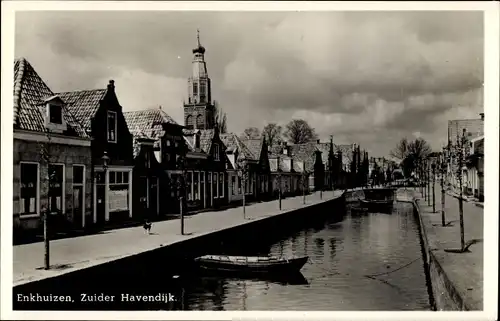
x=46, y=240
x=461, y=212
x=443, y=220
x=181, y=200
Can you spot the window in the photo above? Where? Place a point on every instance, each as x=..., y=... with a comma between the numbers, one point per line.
x=189, y=180
x=118, y=191
x=202, y=184
x=56, y=187
x=233, y=184
x=199, y=121
x=78, y=174
x=29, y=188
x=55, y=114
x=189, y=122
x=239, y=185
x=195, y=186
x=215, y=185
x=168, y=143
x=221, y=185
x=195, y=89
x=111, y=126
x=216, y=151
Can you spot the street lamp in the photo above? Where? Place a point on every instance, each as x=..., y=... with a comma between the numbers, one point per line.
x=279, y=182
x=182, y=190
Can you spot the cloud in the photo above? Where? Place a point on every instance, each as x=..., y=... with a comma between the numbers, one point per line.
x=368, y=77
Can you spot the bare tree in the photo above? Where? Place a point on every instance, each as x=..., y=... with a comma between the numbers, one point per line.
x=220, y=119
x=411, y=153
x=272, y=133
x=251, y=133
x=298, y=131
x=401, y=150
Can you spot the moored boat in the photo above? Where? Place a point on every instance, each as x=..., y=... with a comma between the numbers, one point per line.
x=251, y=264
x=377, y=205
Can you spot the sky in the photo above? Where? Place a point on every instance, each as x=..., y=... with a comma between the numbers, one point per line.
x=364, y=77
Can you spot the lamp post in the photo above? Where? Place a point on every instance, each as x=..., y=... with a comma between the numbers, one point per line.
x=279, y=183
x=182, y=191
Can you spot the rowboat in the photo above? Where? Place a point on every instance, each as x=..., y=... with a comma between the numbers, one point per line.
x=251, y=264
x=377, y=205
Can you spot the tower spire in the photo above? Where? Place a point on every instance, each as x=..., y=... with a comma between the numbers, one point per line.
x=198, y=37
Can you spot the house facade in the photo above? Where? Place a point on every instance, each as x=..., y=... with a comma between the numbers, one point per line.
x=157, y=145
x=51, y=158
x=472, y=129
x=101, y=115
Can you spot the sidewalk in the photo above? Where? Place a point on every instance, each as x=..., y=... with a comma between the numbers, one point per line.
x=464, y=270
x=90, y=250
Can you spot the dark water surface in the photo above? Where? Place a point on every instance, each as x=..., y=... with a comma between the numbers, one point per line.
x=341, y=255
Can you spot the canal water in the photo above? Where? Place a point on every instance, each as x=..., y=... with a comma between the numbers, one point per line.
x=360, y=261
x=368, y=261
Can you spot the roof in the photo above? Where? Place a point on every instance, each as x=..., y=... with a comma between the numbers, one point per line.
x=255, y=146
x=84, y=104
x=284, y=162
x=147, y=123
x=206, y=137
x=474, y=127
x=346, y=151
x=233, y=142
x=30, y=94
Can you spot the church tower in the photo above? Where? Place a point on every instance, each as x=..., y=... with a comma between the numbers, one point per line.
x=199, y=109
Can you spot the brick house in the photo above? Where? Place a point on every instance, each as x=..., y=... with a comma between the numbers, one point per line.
x=473, y=128
x=101, y=115
x=158, y=143
x=205, y=169
x=475, y=168
x=48, y=142
x=259, y=150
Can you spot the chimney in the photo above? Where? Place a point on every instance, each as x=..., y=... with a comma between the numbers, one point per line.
x=111, y=85
x=482, y=116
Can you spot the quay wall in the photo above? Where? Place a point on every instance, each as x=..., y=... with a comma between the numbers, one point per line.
x=250, y=238
x=444, y=295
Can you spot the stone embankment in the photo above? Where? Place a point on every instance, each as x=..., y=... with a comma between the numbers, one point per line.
x=456, y=278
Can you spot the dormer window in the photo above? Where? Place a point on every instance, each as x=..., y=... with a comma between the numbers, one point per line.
x=112, y=126
x=55, y=114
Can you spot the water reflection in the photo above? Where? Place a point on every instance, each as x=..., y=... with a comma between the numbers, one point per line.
x=341, y=255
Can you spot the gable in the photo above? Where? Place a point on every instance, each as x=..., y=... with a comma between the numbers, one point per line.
x=31, y=94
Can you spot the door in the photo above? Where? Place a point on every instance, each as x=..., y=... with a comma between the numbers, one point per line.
x=78, y=206
x=100, y=204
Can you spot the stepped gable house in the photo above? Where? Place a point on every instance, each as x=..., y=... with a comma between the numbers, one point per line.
x=51, y=159
x=157, y=138
x=205, y=162
x=101, y=115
